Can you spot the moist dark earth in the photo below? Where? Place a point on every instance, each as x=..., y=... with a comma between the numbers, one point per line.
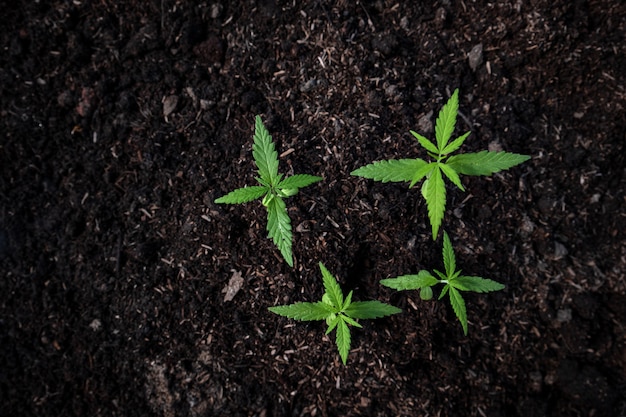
x=122, y=122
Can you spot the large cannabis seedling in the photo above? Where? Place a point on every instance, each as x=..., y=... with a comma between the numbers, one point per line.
x=273, y=189
x=433, y=172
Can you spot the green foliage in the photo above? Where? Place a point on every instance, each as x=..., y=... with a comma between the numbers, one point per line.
x=452, y=279
x=394, y=170
x=442, y=165
x=273, y=189
x=337, y=311
x=279, y=227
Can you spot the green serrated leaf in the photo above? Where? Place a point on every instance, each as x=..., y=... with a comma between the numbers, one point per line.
x=410, y=282
x=435, y=195
x=424, y=171
x=343, y=339
x=441, y=275
x=476, y=284
x=485, y=162
x=279, y=227
x=334, y=320
x=425, y=142
x=444, y=291
x=370, y=310
x=449, y=261
x=333, y=290
x=458, y=305
x=455, y=144
x=347, y=301
x=393, y=170
x=298, y=181
x=444, y=127
x=243, y=195
x=264, y=152
x=451, y=174
x=263, y=182
x=425, y=187
x=351, y=321
x=303, y=311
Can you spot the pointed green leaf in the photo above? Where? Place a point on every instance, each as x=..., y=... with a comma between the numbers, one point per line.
x=268, y=199
x=410, y=282
x=243, y=195
x=347, y=301
x=279, y=227
x=425, y=142
x=394, y=170
x=458, y=305
x=343, y=339
x=456, y=144
x=298, y=181
x=476, y=284
x=451, y=174
x=485, y=162
x=303, y=311
x=449, y=261
x=422, y=172
x=264, y=152
x=446, y=121
x=326, y=299
x=370, y=309
x=333, y=290
x=425, y=186
x=263, y=182
x=441, y=275
x=333, y=323
x=444, y=291
x=351, y=321
x=435, y=195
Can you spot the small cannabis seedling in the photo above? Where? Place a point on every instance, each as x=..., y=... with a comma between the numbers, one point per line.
x=433, y=187
x=273, y=188
x=453, y=282
x=339, y=312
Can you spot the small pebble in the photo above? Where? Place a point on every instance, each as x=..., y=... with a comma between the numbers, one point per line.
x=475, y=56
x=169, y=105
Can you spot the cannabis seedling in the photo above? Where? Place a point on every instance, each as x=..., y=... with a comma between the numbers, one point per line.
x=273, y=188
x=453, y=282
x=433, y=187
x=339, y=312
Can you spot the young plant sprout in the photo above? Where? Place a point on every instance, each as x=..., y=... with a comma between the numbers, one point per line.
x=339, y=312
x=452, y=279
x=433, y=172
x=273, y=189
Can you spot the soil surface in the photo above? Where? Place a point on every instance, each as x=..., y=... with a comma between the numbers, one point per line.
x=122, y=122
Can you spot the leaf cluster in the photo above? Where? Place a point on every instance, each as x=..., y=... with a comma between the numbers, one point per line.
x=452, y=280
x=441, y=165
x=272, y=188
x=338, y=311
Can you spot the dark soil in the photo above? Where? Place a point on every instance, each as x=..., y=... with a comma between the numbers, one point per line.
x=122, y=122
